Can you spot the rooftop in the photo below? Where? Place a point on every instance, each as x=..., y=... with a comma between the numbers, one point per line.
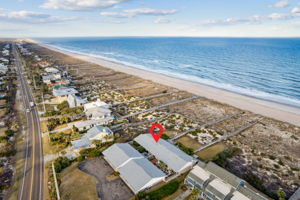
x=138, y=173
x=64, y=91
x=172, y=156
x=119, y=154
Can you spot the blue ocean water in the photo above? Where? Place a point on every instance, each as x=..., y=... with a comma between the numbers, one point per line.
x=267, y=68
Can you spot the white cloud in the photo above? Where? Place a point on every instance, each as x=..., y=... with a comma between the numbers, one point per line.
x=295, y=10
x=80, y=4
x=32, y=17
x=281, y=4
x=139, y=11
x=162, y=20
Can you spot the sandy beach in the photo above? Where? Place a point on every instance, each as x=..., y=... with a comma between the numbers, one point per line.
x=270, y=109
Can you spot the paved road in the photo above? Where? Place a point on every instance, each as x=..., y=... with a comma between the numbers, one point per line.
x=32, y=181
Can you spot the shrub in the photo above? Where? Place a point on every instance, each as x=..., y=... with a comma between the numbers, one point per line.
x=9, y=133
x=160, y=193
x=61, y=163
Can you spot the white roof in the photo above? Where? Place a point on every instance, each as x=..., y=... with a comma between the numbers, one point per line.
x=238, y=196
x=176, y=159
x=119, y=154
x=201, y=173
x=95, y=104
x=139, y=174
x=51, y=70
x=220, y=186
x=64, y=91
x=98, y=112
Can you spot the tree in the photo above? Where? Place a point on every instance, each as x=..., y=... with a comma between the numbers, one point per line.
x=9, y=133
x=64, y=105
x=281, y=195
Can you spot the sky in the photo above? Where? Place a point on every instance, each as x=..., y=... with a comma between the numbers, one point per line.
x=207, y=18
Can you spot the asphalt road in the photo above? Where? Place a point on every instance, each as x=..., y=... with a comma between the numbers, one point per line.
x=32, y=180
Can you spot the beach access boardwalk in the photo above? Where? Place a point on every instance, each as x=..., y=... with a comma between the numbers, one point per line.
x=226, y=136
x=160, y=106
x=203, y=125
x=121, y=126
x=142, y=98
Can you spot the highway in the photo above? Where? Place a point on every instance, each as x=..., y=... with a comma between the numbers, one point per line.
x=32, y=180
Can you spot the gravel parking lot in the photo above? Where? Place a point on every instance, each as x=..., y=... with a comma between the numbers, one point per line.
x=107, y=190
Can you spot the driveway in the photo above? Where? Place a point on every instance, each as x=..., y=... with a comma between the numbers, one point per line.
x=107, y=190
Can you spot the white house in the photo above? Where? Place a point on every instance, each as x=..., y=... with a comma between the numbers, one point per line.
x=98, y=110
x=96, y=133
x=74, y=100
x=3, y=68
x=95, y=104
x=51, y=70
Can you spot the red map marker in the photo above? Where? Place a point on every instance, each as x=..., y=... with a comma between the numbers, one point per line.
x=158, y=135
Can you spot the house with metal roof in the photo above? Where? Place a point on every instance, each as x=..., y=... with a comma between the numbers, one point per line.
x=96, y=133
x=74, y=100
x=140, y=174
x=119, y=154
x=63, y=92
x=135, y=170
x=166, y=152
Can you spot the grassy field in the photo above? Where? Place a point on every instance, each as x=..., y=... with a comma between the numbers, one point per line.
x=212, y=151
x=76, y=184
x=189, y=142
x=43, y=125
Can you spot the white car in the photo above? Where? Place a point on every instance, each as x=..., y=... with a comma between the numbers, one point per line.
x=28, y=110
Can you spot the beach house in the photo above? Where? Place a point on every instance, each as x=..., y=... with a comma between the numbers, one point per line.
x=98, y=110
x=61, y=94
x=75, y=100
x=96, y=133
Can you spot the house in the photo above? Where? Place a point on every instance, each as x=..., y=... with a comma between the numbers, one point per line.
x=62, y=93
x=96, y=133
x=84, y=124
x=4, y=60
x=3, y=69
x=98, y=110
x=166, y=152
x=217, y=183
x=95, y=104
x=135, y=170
x=51, y=70
x=43, y=64
x=74, y=100
x=100, y=113
x=5, y=52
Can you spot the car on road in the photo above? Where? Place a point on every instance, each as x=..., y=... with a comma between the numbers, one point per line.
x=28, y=110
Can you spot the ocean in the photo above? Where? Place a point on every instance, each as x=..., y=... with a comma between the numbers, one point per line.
x=265, y=68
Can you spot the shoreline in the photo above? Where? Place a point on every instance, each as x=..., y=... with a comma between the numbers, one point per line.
x=281, y=112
